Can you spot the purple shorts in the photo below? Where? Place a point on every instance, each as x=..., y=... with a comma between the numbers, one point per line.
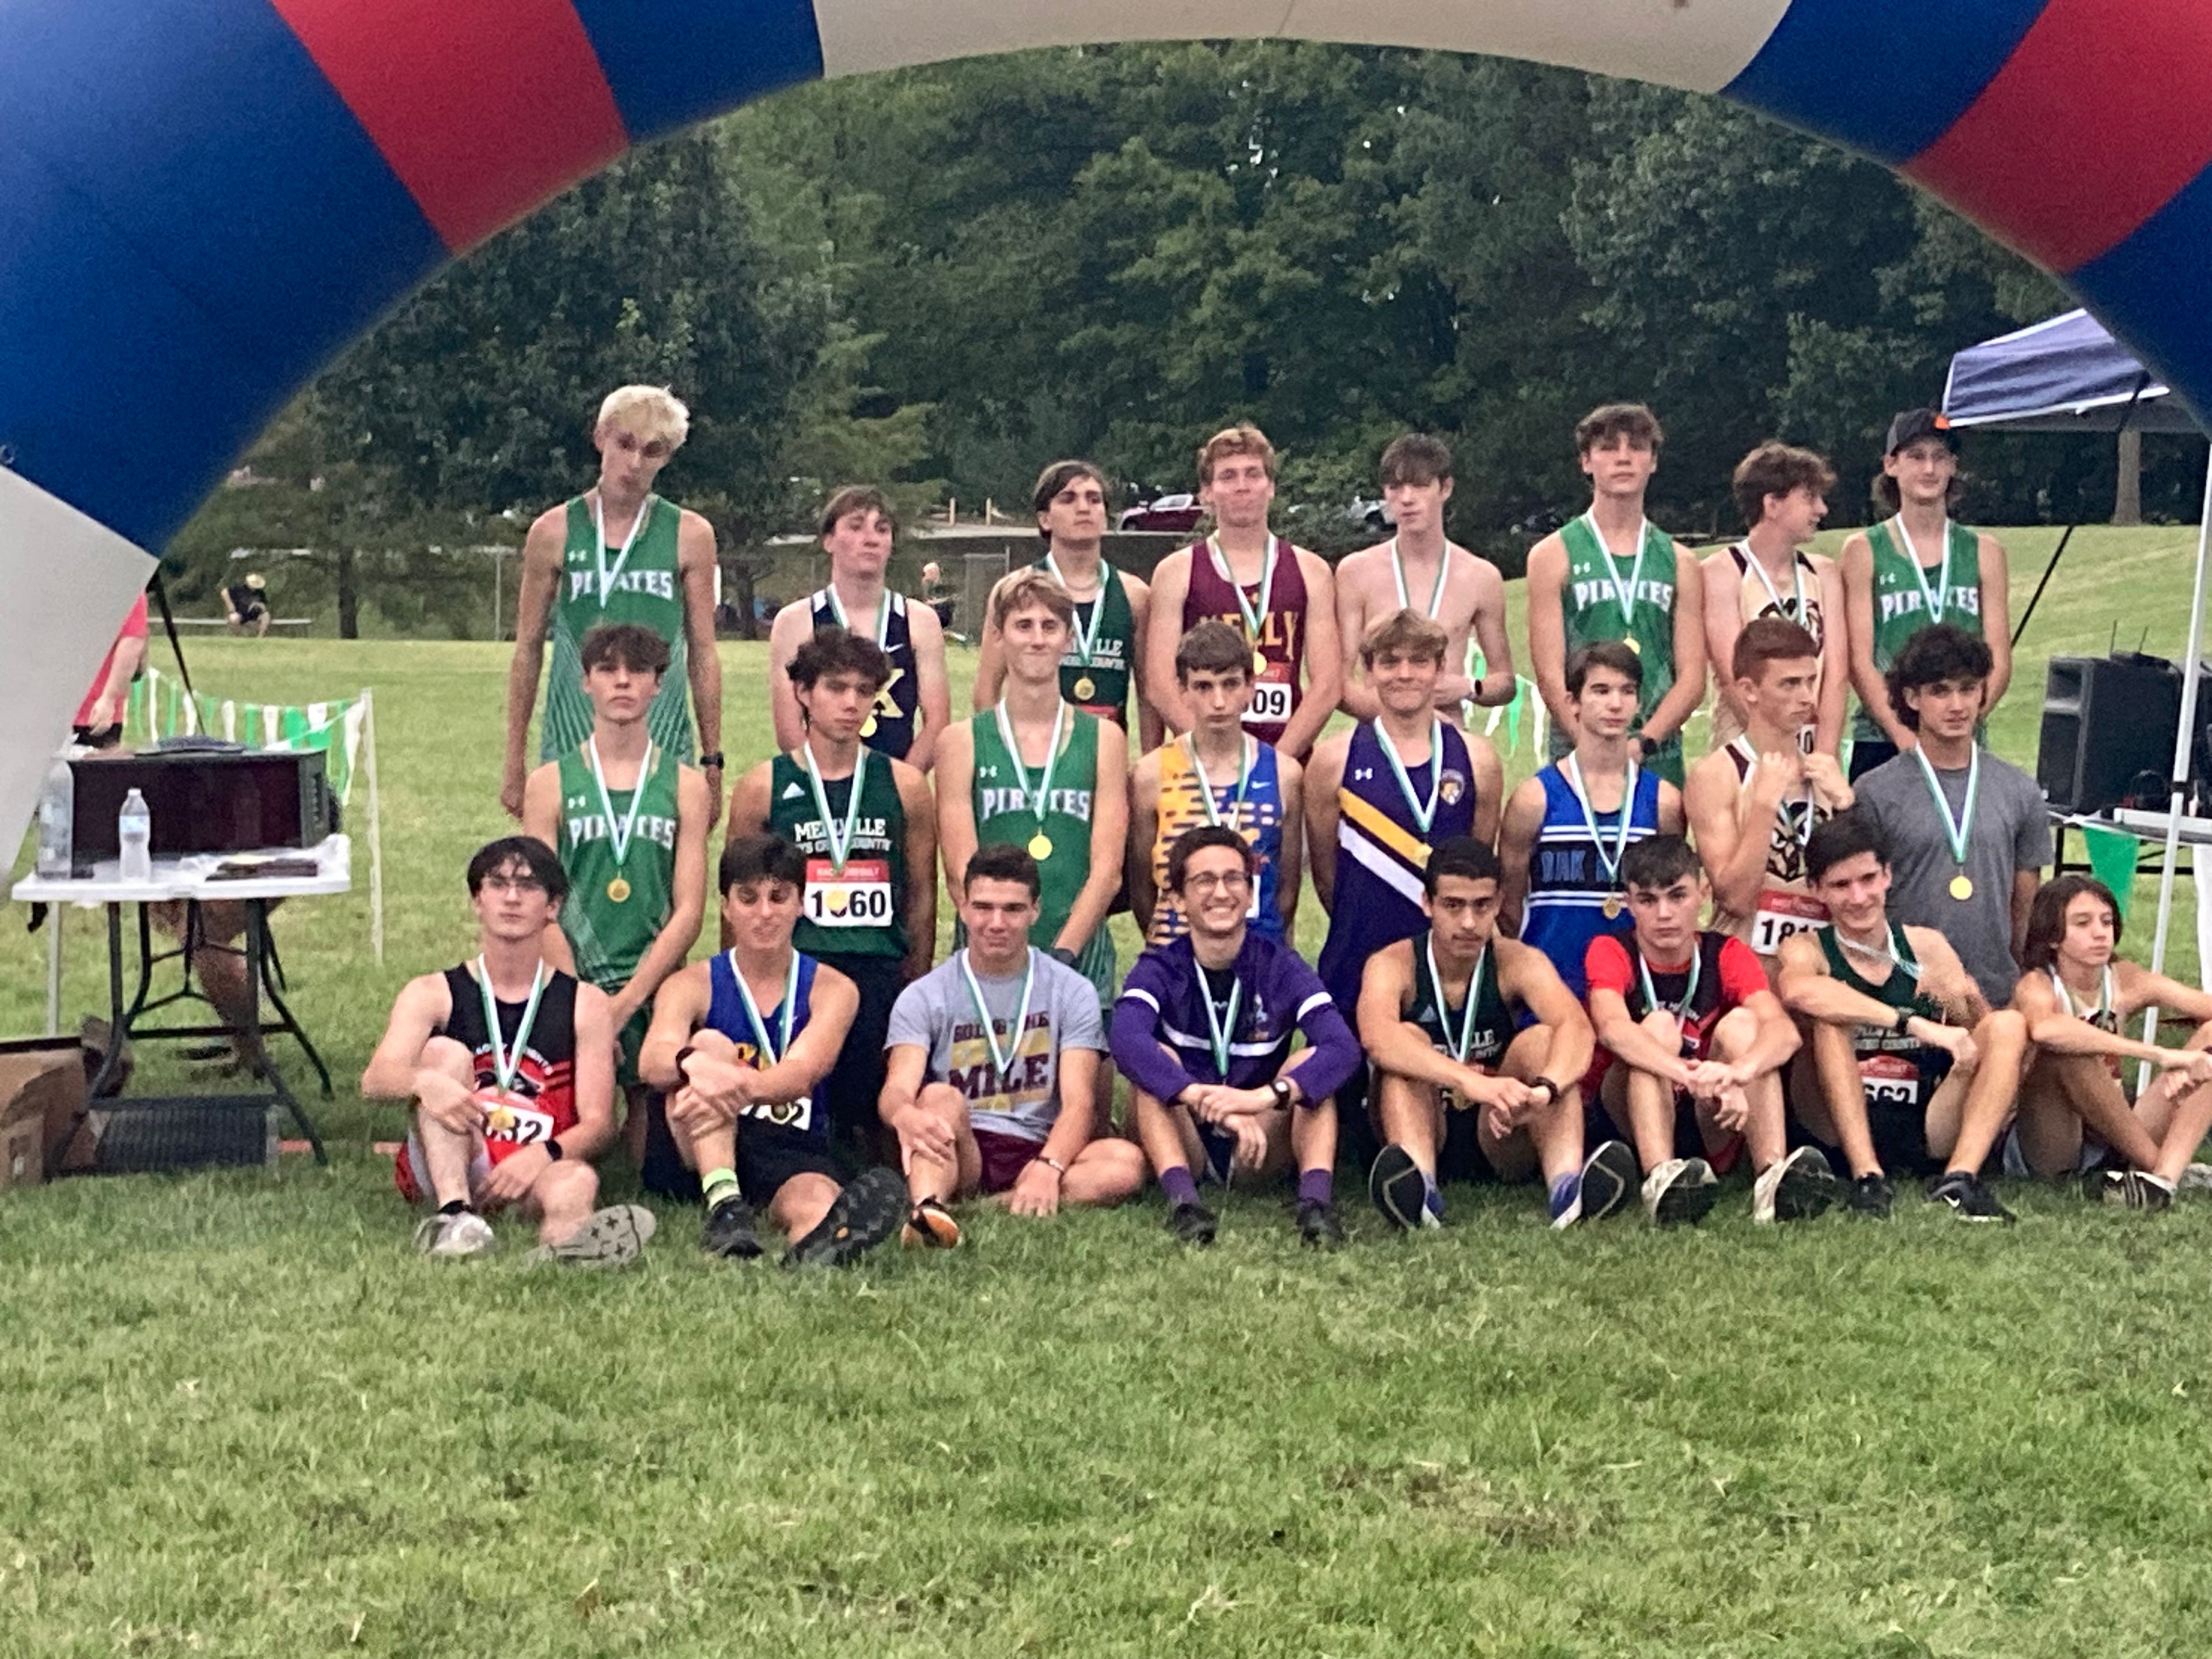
x=1004, y=1157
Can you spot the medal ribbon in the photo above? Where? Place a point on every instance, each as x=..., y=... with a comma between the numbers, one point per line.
x=609, y=578
x=1625, y=598
x=1247, y=763
x=505, y=1061
x=1956, y=830
x=883, y=615
x=1002, y=1065
x=1651, y=1002
x=1936, y=600
x=2104, y=995
x=1436, y=595
x=1424, y=815
x=776, y=1050
x=1457, y=1042
x=840, y=837
x=1774, y=593
x=1086, y=642
x=1021, y=772
x=619, y=835
x=1255, y=620
x=1571, y=768
x=1892, y=956
x=1219, y=1032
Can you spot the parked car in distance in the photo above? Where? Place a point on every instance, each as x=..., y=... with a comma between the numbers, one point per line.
x=1175, y=512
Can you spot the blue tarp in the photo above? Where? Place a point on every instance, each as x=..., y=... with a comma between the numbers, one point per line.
x=2062, y=374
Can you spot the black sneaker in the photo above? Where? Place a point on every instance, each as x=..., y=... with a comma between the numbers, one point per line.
x=729, y=1230
x=1319, y=1227
x=1399, y=1188
x=1679, y=1191
x=1193, y=1224
x=868, y=1212
x=1870, y=1195
x=1610, y=1178
x=1794, y=1187
x=1969, y=1199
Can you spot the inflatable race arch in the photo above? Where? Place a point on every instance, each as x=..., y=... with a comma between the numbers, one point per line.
x=203, y=201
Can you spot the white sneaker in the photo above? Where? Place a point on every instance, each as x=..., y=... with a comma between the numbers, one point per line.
x=1681, y=1190
x=465, y=1234
x=1796, y=1187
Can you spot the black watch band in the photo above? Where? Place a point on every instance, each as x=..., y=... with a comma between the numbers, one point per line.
x=1281, y=1088
x=713, y=760
x=553, y=1148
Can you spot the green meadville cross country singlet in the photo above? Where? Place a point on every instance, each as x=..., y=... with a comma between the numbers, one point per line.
x=1113, y=652
x=1492, y=1027
x=862, y=911
x=1899, y=611
x=1593, y=612
x=649, y=592
x=610, y=939
x=1005, y=814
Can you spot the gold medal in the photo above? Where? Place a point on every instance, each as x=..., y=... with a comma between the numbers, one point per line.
x=1632, y=643
x=868, y=726
x=1259, y=663
x=1962, y=888
x=619, y=889
x=1040, y=847
x=1612, y=907
x=1086, y=687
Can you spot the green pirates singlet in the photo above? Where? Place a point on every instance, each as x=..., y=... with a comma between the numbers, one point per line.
x=1593, y=611
x=610, y=936
x=1493, y=1022
x=1101, y=686
x=859, y=911
x=1900, y=608
x=1005, y=815
x=646, y=590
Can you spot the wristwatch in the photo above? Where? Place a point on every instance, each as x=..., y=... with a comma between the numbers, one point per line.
x=1551, y=1089
x=1903, y=1019
x=1281, y=1088
x=553, y=1148
x=1061, y=954
x=711, y=762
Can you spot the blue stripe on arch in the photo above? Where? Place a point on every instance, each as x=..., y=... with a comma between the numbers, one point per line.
x=2149, y=291
x=1887, y=78
x=674, y=61
x=198, y=224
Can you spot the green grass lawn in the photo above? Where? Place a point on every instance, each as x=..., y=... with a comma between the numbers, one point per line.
x=240, y=1416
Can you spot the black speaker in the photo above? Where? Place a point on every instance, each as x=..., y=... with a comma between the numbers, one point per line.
x=2105, y=721
x=205, y=802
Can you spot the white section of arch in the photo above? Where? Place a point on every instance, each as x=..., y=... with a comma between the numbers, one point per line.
x=1701, y=44
x=69, y=584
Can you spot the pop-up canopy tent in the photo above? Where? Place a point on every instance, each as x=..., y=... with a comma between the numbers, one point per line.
x=2067, y=373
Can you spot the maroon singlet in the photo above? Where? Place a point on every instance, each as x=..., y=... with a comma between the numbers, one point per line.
x=1280, y=687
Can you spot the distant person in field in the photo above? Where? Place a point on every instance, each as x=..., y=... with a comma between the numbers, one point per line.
x=1478, y=1051
x=1216, y=772
x=914, y=708
x=1203, y=1031
x=619, y=553
x=1422, y=570
x=1912, y=1075
x=1612, y=574
x=1106, y=645
x=1783, y=494
x=508, y=1064
x=1967, y=832
x=995, y=1067
x=743, y=1042
x=2078, y=996
x=245, y=605
x=630, y=821
x=1691, y=1050
x=1282, y=598
x=1755, y=801
x=1917, y=569
x=866, y=827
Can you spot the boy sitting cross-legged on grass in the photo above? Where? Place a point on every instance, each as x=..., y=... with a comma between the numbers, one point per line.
x=510, y=1066
x=1693, y=1047
x=740, y=1042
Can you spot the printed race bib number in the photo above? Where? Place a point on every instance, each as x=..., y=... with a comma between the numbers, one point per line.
x=1892, y=1083
x=1779, y=915
x=511, y=1123
x=1271, y=704
x=861, y=897
x=788, y=1114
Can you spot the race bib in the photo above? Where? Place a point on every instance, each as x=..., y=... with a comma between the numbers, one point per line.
x=1271, y=703
x=860, y=898
x=1781, y=914
x=511, y=1123
x=1892, y=1083
x=787, y=1114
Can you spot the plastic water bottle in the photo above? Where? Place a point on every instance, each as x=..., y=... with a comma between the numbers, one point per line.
x=134, y=834
x=58, y=821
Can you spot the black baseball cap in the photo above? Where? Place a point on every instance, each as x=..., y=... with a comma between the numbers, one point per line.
x=1914, y=424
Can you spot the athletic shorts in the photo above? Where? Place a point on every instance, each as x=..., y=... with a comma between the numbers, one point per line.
x=629, y=1043
x=1598, y=1126
x=1005, y=1157
x=855, y=1083
x=1459, y=1155
x=769, y=1155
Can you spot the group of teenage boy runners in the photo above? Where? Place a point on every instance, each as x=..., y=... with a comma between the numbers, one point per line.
x=1624, y=979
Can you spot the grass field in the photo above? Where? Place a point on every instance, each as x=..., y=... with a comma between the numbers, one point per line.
x=239, y=1417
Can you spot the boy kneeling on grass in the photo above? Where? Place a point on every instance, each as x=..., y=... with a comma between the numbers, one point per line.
x=509, y=1065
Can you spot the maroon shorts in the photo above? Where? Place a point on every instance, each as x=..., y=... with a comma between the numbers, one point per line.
x=1004, y=1157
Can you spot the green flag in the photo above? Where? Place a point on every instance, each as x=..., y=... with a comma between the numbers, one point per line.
x=2112, y=860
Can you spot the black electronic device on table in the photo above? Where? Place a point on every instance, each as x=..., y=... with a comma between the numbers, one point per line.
x=205, y=802
x=2106, y=722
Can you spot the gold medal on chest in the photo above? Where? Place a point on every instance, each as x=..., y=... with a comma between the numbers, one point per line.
x=1040, y=847
x=619, y=889
x=1086, y=688
x=1612, y=907
x=1962, y=887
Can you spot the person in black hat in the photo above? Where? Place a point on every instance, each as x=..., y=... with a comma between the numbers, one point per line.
x=245, y=605
x=1914, y=569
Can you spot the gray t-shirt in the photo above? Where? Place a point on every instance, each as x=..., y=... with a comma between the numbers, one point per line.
x=2011, y=832
x=936, y=1013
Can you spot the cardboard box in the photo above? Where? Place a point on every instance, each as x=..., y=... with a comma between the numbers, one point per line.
x=41, y=1093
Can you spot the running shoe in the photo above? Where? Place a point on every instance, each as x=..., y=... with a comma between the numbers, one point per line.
x=1319, y=1227
x=1680, y=1191
x=2136, y=1189
x=730, y=1230
x=1608, y=1178
x=1399, y=1190
x=1794, y=1187
x=1870, y=1195
x=930, y=1225
x=464, y=1233
x=1193, y=1224
x=868, y=1212
x=612, y=1237
x=2196, y=1178
x=1968, y=1197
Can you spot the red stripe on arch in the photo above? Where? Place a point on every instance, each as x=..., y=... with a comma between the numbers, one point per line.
x=483, y=110
x=2100, y=115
